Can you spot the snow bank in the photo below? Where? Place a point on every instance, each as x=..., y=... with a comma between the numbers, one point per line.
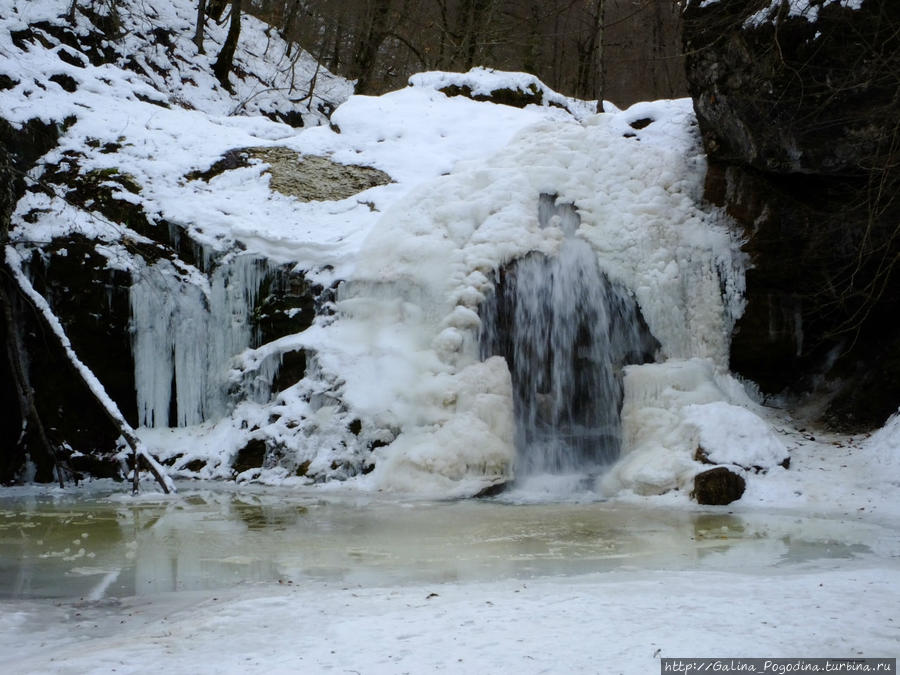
x=883, y=452
x=487, y=82
x=676, y=410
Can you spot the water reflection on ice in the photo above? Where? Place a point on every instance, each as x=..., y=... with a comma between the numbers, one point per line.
x=92, y=545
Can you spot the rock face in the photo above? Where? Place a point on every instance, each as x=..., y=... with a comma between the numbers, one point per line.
x=798, y=107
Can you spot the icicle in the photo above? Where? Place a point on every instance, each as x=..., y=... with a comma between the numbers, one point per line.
x=189, y=334
x=153, y=297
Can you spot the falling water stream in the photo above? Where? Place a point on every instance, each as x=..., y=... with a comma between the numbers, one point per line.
x=566, y=332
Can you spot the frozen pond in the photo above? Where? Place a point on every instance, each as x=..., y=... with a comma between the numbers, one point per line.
x=90, y=544
x=242, y=579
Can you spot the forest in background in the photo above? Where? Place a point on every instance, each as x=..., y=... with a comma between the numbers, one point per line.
x=380, y=43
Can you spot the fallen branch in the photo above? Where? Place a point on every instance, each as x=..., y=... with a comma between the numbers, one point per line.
x=14, y=262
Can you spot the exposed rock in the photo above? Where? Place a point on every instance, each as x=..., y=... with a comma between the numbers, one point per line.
x=194, y=465
x=491, y=490
x=26, y=144
x=94, y=44
x=251, y=456
x=642, y=123
x=718, y=486
x=798, y=114
x=308, y=178
x=292, y=370
x=46, y=367
x=102, y=191
x=91, y=300
x=67, y=82
x=288, y=303
x=96, y=465
x=70, y=414
x=517, y=98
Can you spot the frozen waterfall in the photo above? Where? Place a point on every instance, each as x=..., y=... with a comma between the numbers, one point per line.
x=186, y=328
x=566, y=332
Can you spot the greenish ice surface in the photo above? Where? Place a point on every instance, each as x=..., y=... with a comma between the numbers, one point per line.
x=98, y=543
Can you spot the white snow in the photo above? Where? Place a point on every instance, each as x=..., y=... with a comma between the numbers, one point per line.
x=808, y=9
x=671, y=410
x=620, y=623
x=484, y=81
x=884, y=450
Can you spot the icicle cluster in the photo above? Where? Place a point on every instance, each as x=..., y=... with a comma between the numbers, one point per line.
x=185, y=332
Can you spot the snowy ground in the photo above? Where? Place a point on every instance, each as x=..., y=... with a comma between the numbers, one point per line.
x=620, y=622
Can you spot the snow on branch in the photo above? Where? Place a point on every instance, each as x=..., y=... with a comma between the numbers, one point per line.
x=14, y=260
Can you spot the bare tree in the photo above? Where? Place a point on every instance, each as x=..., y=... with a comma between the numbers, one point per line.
x=201, y=22
x=225, y=61
x=624, y=50
x=589, y=46
x=371, y=36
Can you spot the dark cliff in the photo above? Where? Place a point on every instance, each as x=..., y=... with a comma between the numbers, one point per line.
x=799, y=107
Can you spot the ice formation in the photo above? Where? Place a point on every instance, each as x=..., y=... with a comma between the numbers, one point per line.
x=186, y=329
x=410, y=318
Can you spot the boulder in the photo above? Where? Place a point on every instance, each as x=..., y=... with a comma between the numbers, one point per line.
x=718, y=486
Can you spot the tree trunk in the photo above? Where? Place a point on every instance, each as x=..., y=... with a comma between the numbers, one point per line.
x=201, y=20
x=589, y=79
x=215, y=8
x=474, y=21
x=222, y=66
x=600, y=76
x=289, y=18
x=370, y=40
